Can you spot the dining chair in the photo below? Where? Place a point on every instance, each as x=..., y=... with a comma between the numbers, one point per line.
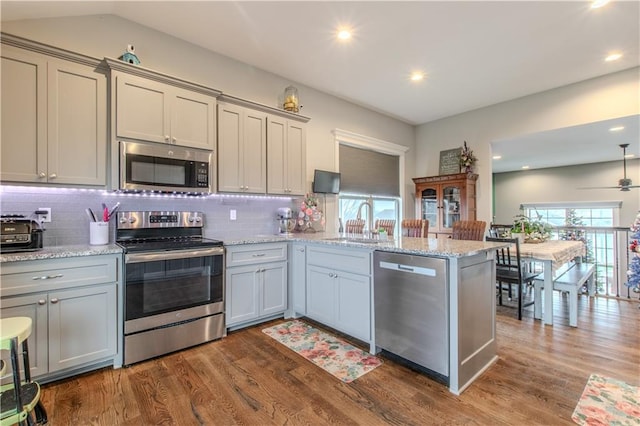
x=500, y=231
x=354, y=226
x=468, y=230
x=415, y=228
x=510, y=270
x=388, y=225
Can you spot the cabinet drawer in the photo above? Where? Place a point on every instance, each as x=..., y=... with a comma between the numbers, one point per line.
x=350, y=260
x=256, y=253
x=43, y=275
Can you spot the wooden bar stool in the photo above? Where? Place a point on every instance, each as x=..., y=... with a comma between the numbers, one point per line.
x=415, y=228
x=19, y=398
x=388, y=225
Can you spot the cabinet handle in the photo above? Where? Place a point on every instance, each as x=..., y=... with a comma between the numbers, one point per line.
x=54, y=300
x=301, y=250
x=42, y=175
x=173, y=140
x=42, y=302
x=47, y=277
x=166, y=138
x=53, y=176
x=258, y=254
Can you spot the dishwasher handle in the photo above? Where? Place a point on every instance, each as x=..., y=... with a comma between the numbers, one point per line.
x=412, y=269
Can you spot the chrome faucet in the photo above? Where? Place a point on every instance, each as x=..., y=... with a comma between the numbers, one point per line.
x=369, y=217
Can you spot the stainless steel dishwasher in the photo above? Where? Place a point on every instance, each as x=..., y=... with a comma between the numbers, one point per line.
x=412, y=309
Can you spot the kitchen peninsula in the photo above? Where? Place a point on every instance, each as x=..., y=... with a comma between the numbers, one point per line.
x=331, y=280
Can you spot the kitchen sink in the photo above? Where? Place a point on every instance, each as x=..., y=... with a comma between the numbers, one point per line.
x=356, y=240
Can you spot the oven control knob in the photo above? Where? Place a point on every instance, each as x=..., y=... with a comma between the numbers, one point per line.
x=132, y=219
x=198, y=219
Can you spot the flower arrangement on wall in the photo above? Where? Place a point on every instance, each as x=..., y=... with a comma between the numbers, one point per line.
x=309, y=214
x=467, y=159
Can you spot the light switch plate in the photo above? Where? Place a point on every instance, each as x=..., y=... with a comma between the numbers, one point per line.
x=232, y=214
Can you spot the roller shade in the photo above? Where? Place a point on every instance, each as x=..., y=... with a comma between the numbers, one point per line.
x=368, y=172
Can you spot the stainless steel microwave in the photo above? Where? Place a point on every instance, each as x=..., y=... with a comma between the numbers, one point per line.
x=165, y=168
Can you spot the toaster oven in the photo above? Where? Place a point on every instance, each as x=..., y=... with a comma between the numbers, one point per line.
x=18, y=233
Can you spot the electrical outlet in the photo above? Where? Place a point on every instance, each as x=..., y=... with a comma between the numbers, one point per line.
x=45, y=217
x=232, y=214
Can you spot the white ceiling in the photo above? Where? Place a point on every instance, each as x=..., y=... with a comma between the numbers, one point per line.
x=474, y=53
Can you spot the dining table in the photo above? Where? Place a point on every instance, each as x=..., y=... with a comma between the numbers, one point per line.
x=553, y=255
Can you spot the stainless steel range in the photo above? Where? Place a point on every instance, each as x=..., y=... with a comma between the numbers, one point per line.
x=174, y=283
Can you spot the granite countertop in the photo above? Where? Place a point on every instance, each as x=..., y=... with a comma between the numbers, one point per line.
x=61, y=252
x=441, y=247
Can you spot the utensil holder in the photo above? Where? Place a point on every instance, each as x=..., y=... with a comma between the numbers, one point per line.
x=98, y=233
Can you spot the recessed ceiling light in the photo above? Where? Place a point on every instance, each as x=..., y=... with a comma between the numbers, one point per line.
x=616, y=129
x=344, y=34
x=417, y=76
x=525, y=167
x=497, y=157
x=613, y=57
x=598, y=3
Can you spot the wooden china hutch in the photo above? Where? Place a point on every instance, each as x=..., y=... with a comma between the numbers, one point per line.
x=445, y=199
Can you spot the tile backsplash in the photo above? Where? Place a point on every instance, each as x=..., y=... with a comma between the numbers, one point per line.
x=70, y=225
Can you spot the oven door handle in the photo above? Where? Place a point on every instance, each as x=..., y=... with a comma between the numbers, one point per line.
x=171, y=255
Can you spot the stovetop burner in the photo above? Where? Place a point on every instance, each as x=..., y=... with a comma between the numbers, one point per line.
x=161, y=231
x=160, y=244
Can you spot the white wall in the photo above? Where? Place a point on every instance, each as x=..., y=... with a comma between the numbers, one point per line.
x=610, y=96
x=559, y=184
x=108, y=35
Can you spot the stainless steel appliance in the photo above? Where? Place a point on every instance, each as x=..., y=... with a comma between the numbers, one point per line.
x=286, y=223
x=166, y=168
x=412, y=309
x=174, y=283
x=19, y=233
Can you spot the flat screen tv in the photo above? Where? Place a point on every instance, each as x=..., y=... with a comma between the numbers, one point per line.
x=325, y=182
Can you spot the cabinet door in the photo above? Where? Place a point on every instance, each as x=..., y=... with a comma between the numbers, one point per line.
x=450, y=205
x=242, y=294
x=295, y=167
x=353, y=315
x=230, y=135
x=276, y=155
x=142, y=109
x=321, y=295
x=273, y=294
x=82, y=325
x=192, y=119
x=77, y=125
x=286, y=157
x=254, y=152
x=298, y=262
x=33, y=306
x=23, y=146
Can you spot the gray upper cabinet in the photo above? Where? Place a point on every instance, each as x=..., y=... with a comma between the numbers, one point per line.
x=286, y=156
x=157, y=112
x=242, y=149
x=54, y=120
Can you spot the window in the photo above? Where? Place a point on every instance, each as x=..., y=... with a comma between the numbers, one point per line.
x=372, y=170
x=383, y=208
x=599, y=218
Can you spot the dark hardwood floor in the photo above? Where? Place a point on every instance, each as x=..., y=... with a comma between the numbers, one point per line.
x=248, y=378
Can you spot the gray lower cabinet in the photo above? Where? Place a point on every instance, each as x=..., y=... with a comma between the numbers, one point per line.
x=256, y=283
x=72, y=303
x=338, y=289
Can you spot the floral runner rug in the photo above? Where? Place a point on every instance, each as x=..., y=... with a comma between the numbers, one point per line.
x=606, y=401
x=334, y=355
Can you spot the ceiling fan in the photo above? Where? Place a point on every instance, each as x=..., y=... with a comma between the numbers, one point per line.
x=624, y=184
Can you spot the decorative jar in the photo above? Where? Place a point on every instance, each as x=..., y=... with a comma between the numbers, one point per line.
x=291, y=100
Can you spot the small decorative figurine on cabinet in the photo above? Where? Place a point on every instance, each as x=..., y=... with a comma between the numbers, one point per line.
x=291, y=100
x=130, y=56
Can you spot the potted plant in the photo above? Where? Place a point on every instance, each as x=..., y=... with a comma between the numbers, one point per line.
x=529, y=230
